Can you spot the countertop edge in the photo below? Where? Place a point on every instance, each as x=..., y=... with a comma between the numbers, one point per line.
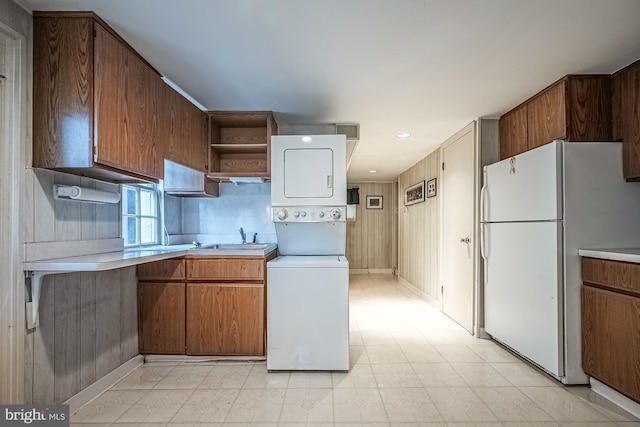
x=122, y=259
x=626, y=255
x=87, y=264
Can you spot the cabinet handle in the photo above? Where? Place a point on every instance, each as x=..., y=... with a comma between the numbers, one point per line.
x=465, y=240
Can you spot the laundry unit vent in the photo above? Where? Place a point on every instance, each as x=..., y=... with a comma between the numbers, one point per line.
x=352, y=131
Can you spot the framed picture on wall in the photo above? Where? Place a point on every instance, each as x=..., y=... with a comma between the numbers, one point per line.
x=374, y=202
x=414, y=194
x=431, y=188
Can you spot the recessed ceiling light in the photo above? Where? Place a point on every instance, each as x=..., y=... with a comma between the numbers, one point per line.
x=373, y=171
x=306, y=138
x=404, y=135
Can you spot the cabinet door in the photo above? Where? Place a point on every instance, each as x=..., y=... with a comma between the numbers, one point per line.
x=195, y=136
x=225, y=319
x=126, y=134
x=546, y=116
x=611, y=339
x=626, y=117
x=185, y=129
x=161, y=317
x=513, y=133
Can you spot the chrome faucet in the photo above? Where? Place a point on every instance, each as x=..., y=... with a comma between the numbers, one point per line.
x=244, y=236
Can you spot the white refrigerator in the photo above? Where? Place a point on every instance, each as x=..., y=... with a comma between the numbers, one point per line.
x=537, y=209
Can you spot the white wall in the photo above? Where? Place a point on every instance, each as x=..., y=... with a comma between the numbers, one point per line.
x=218, y=219
x=419, y=231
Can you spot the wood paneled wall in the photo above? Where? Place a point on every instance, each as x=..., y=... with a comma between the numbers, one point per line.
x=88, y=321
x=371, y=238
x=418, y=231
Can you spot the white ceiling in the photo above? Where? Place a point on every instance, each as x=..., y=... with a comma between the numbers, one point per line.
x=424, y=66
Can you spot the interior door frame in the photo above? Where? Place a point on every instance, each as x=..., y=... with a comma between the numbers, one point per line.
x=14, y=138
x=475, y=231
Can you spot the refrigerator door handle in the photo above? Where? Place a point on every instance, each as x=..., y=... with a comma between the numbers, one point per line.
x=483, y=190
x=483, y=252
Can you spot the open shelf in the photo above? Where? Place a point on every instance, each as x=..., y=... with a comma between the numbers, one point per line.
x=240, y=144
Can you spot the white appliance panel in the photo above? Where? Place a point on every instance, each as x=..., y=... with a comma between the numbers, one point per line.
x=527, y=187
x=308, y=317
x=309, y=238
x=308, y=173
x=303, y=175
x=523, y=289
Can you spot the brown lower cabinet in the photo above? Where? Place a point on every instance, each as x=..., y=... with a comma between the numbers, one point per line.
x=611, y=324
x=225, y=318
x=203, y=305
x=161, y=306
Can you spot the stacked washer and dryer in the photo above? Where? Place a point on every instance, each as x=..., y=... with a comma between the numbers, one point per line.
x=308, y=283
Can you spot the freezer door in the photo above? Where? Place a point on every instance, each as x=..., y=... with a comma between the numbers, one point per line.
x=527, y=187
x=523, y=290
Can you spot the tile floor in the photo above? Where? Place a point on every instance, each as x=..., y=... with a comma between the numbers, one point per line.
x=411, y=366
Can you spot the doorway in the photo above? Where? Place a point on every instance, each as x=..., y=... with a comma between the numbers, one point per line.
x=458, y=230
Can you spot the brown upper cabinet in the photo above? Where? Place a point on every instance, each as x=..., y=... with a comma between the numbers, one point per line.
x=626, y=117
x=186, y=130
x=96, y=101
x=241, y=144
x=101, y=110
x=575, y=108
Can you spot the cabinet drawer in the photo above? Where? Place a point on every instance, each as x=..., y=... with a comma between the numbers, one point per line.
x=226, y=268
x=616, y=275
x=169, y=269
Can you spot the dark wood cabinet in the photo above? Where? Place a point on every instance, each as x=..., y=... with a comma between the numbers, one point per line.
x=203, y=305
x=225, y=318
x=226, y=305
x=161, y=307
x=96, y=101
x=185, y=129
x=575, y=108
x=611, y=324
x=626, y=117
x=513, y=132
x=240, y=144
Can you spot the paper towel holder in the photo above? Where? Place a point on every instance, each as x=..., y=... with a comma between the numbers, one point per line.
x=84, y=194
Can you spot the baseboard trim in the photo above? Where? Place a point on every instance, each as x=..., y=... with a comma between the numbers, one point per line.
x=149, y=358
x=617, y=398
x=85, y=396
x=429, y=299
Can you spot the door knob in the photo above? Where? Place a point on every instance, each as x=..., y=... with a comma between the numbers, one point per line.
x=465, y=240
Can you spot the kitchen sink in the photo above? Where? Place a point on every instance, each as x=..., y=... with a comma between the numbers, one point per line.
x=235, y=246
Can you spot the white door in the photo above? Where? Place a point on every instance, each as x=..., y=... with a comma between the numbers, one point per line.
x=458, y=198
x=308, y=173
x=522, y=292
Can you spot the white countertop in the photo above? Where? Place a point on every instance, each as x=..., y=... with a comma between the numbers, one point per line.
x=626, y=255
x=129, y=257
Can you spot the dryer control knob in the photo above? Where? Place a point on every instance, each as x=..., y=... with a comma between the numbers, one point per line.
x=303, y=214
x=321, y=214
x=335, y=213
x=296, y=214
x=281, y=214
